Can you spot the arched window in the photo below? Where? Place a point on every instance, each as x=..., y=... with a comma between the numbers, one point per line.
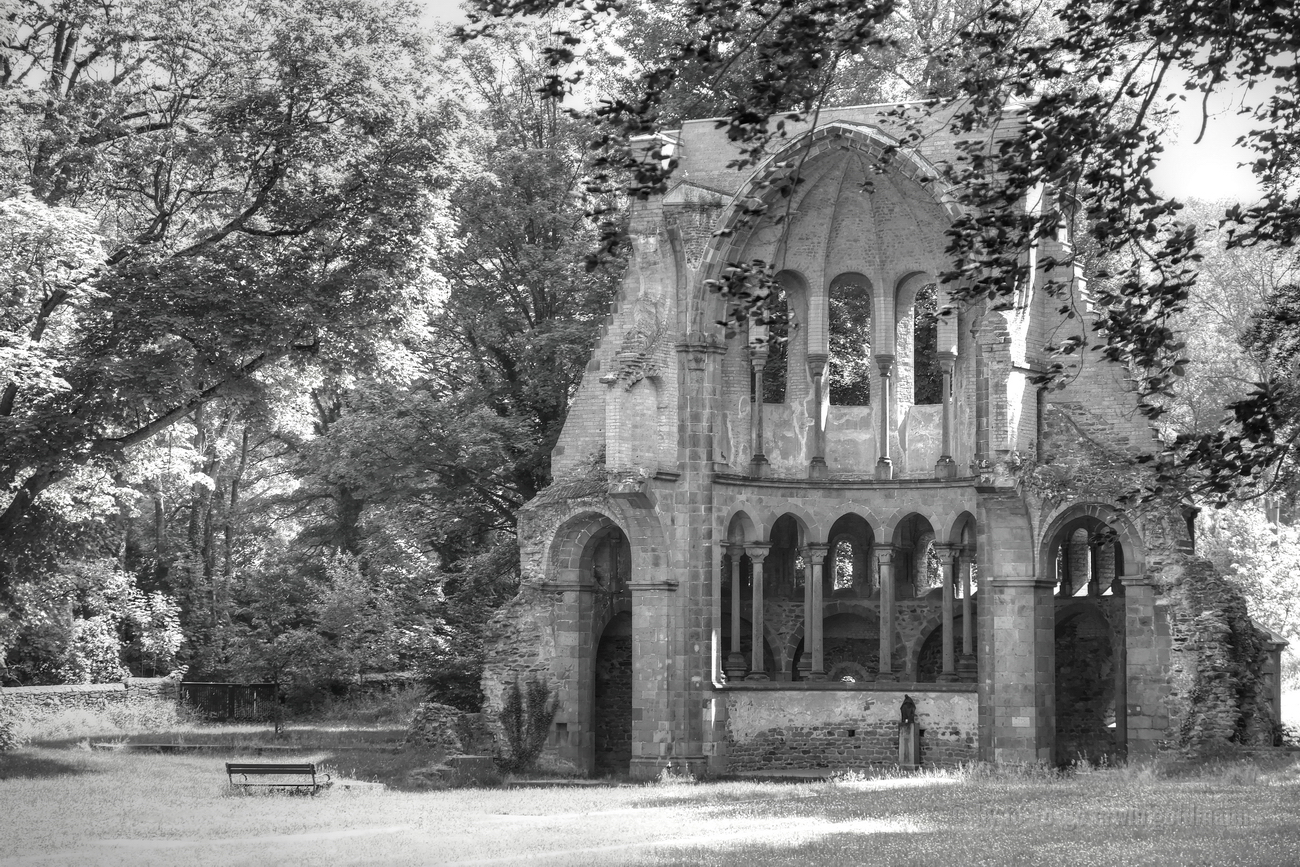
x=849, y=311
x=928, y=384
x=776, y=372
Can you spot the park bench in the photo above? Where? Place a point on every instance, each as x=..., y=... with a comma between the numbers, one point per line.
x=263, y=769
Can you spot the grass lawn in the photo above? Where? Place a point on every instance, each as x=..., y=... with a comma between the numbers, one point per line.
x=69, y=805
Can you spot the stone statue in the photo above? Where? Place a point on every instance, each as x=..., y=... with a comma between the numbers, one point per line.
x=908, y=710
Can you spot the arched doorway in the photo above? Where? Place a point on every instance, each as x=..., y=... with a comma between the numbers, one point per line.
x=612, y=719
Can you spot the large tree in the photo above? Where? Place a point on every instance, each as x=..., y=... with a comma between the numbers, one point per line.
x=200, y=194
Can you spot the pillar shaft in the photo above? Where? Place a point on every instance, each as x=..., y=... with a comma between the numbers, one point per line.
x=885, y=465
x=946, y=556
x=735, y=662
x=946, y=468
x=756, y=556
x=966, y=666
x=758, y=361
x=967, y=627
x=817, y=557
x=736, y=553
x=885, y=562
x=817, y=369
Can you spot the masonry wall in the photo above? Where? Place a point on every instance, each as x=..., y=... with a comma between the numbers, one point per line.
x=141, y=694
x=773, y=729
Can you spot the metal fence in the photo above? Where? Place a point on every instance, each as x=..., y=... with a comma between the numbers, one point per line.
x=230, y=701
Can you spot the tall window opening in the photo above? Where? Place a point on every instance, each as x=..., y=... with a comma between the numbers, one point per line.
x=928, y=385
x=849, y=311
x=775, y=372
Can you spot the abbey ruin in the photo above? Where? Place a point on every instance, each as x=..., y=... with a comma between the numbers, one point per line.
x=757, y=543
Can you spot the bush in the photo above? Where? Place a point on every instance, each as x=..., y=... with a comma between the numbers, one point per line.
x=526, y=720
x=8, y=736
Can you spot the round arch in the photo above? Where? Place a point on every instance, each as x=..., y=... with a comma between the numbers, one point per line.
x=1094, y=519
x=961, y=531
x=563, y=561
x=741, y=527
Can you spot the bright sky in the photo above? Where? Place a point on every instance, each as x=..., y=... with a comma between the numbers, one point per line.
x=442, y=11
x=1207, y=170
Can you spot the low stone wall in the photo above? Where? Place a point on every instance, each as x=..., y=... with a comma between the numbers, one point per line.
x=44, y=701
x=772, y=729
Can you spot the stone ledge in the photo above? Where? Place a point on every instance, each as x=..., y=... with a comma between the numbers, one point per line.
x=841, y=686
x=738, y=480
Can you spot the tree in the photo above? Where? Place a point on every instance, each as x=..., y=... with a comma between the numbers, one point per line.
x=1262, y=556
x=1087, y=85
x=261, y=177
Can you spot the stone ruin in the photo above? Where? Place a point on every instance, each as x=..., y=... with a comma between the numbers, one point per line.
x=758, y=541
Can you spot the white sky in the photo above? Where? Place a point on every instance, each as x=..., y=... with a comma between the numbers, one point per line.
x=1208, y=170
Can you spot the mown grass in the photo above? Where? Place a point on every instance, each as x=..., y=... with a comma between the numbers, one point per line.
x=73, y=806
x=63, y=804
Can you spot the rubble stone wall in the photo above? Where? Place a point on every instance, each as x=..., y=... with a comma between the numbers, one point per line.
x=773, y=729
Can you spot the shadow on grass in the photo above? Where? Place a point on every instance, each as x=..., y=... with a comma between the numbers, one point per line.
x=24, y=763
x=392, y=768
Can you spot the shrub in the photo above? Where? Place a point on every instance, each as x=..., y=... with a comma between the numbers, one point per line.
x=9, y=739
x=525, y=721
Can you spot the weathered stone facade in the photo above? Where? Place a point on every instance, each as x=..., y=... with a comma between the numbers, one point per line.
x=946, y=531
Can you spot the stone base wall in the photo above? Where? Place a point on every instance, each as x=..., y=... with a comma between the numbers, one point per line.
x=775, y=729
x=44, y=701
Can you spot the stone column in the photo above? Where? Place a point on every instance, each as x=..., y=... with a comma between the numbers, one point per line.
x=735, y=668
x=946, y=557
x=946, y=467
x=966, y=666
x=885, y=563
x=757, y=553
x=813, y=623
x=885, y=466
x=817, y=369
x=805, y=662
x=758, y=361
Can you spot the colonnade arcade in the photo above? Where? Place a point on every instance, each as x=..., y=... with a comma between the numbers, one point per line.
x=850, y=574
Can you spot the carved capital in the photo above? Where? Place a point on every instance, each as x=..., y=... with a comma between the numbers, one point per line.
x=817, y=552
x=886, y=364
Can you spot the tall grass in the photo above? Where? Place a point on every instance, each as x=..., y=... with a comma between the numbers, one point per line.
x=42, y=724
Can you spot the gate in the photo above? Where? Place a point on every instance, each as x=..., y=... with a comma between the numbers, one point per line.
x=230, y=702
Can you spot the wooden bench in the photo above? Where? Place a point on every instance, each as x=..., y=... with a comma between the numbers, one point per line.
x=261, y=769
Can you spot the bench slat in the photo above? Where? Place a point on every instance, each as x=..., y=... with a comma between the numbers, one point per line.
x=232, y=768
